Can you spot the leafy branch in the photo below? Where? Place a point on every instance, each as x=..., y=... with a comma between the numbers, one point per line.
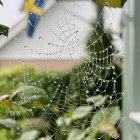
x=111, y=3
x=3, y=29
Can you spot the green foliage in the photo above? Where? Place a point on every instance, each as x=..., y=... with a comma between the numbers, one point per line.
x=7, y=135
x=111, y=3
x=105, y=119
x=80, y=110
x=4, y=30
x=30, y=135
x=8, y=123
x=29, y=96
x=97, y=100
x=12, y=78
x=4, y=102
x=39, y=124
x=76, y=134
x=47, y=138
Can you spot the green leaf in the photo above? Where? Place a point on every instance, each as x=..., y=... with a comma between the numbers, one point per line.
x=8, y=123
x=48, y=138
x=107, y=127
x=4, y=30
x=76, y=135
x=81, y=112
x=105, y=119
x=78, y=113
x=4, y=97
x=89, y=138
x=5, y=102
x=111, y=3
x=28, y=96
x=30, y=135
x=113, y=114
x=43, y=125
x=97, y=100
x=62, y=121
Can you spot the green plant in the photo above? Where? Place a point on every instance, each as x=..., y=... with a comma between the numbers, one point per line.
x=86, y=123
x=10, y=79
x=111, y=3
x=3, y=29
x=76, y=113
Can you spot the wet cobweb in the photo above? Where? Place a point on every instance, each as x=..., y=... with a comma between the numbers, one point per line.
x=83, y=103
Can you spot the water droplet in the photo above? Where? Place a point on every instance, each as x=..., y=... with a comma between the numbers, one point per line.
x=87, y=91
x=40, y=38
x=97, y=90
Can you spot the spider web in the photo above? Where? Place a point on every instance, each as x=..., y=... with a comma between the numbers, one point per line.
x=97, y=74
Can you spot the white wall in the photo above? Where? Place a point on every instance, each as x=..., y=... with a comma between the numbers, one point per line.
x=11, y=13
x=61, y=33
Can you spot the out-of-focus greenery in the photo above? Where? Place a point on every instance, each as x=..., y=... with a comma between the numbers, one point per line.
x=4, y=30
x=111, y=3
x=10, y=79
x=71, y=105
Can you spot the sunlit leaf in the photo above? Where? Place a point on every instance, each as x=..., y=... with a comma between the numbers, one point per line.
x=55, y=109
x=4, y=97
x=63, y=121
x=81, y=112
x=5, y=102
x=78, y=113
x=76, y=134
x=112, y=113
x=98, y=100
x=43, y=138
x=89, y=138
x=111, y=3
x=105, y=119
x=48, y=138
x=28, y=96
x=32, y=124
x=8, y=123
x=30, y=135
x=107, y=127
x=39, y=105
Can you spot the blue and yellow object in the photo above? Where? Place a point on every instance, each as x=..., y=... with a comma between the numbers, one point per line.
x=33, y=10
